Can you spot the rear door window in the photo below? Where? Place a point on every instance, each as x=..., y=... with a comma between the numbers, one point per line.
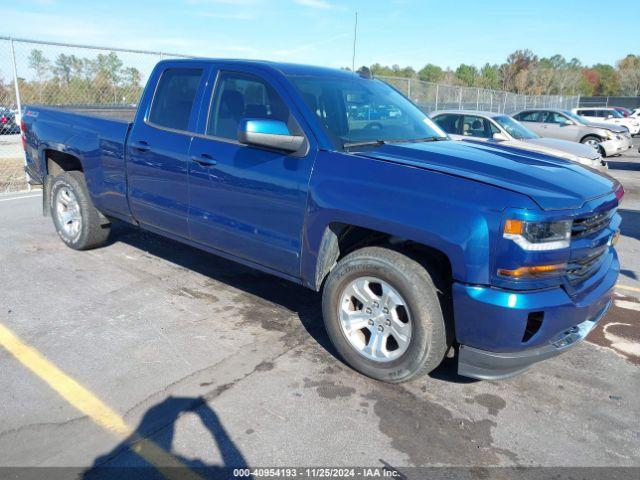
x=450, y=123
x=530, y=116
x=173, y=100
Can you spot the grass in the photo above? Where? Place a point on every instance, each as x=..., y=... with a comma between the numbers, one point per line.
x=12, y=177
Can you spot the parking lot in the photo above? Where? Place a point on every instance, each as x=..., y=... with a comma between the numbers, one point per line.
x=148, y=352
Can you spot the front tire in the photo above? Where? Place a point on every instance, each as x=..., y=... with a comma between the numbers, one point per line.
x=78, y=223
x=382, y=312
x=593, y=142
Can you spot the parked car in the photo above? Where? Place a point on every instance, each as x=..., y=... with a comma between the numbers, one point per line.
x=502, y=129
x=8, y=123
x=624, y=111
x=609, y=115
x=418, y=243
x=608, y=138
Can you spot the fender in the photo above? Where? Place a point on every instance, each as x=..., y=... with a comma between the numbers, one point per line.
x=456, y=216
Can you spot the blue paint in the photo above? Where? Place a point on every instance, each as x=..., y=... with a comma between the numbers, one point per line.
x=270, y=209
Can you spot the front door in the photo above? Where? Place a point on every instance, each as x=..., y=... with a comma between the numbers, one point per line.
x=559, y=126
x=247, y=201
x=158, y=151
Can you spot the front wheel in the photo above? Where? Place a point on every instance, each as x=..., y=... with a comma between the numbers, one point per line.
x=77, y=221
x=382, y=312
x=593, y=142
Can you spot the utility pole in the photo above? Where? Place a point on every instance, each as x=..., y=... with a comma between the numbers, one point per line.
x=355, y=36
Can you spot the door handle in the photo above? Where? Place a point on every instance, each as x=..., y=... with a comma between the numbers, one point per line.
x=142, y=146
x=204, y=159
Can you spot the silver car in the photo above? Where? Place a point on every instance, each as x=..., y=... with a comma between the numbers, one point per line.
x=498, y=127
x=609, y=138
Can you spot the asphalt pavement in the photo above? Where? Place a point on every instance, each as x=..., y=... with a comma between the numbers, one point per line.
x=148, y=352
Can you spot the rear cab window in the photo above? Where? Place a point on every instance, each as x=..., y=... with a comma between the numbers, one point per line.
x=530, y=116
x=449, y=122
x=174, y=97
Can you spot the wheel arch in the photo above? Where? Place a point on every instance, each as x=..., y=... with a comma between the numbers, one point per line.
x=595, y=135
x=57, y=161
x=339, y=239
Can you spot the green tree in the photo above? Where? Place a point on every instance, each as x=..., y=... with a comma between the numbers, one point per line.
x=489, y=77
x=609, y=79
x=40, y=65
x=430, y=73
x=629, y=71
x=467, y=74
x=63, y=68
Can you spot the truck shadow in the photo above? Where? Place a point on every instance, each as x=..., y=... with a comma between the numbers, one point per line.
x=296, y=298
x=630, y=226
x=147, y=452
x=623, y=165
x=306, y=303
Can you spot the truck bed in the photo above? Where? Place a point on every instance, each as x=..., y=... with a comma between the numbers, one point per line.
x=96, y=135
x=125, y=113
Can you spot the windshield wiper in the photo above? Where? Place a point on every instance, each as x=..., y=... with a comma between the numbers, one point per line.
x=368, y=143
x=420, y=140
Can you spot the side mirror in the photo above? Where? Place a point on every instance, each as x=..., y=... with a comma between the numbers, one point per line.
x=609, y=116
x=500, y=137
x=566, y=124
x=268, y=133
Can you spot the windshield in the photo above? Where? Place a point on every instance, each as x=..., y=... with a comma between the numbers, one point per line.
x=358, y=110
x=575, y=117
x=515, y=128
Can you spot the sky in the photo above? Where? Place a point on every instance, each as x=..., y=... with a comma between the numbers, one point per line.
x=404, y=32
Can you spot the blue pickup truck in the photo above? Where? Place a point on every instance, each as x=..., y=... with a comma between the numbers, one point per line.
x=422, y=247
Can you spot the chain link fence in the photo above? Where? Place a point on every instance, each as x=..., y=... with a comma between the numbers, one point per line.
x=610, y=101
x=65, y=75
x=431, y=96
x=93, y=77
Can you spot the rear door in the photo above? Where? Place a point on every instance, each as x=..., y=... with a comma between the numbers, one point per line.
x=158, y=147
x=450, y=123
x=248, y=201
x=533, y=121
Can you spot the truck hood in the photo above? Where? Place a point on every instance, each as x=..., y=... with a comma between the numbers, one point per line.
x=552, y=182
x=572, y=148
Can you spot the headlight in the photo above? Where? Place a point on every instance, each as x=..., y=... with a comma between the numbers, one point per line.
x=539, y=235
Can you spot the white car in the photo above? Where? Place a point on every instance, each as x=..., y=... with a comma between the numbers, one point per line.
x=505, y=130
x=609, y=115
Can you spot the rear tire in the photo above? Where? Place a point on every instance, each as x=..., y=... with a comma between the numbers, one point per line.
x=77, y=221
x=355, y=304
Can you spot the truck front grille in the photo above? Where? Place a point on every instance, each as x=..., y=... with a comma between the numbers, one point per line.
x=581, y=269
x=594, y=223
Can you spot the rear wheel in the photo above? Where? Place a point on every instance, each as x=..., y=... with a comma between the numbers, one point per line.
x=77, y=221
x=383, y=315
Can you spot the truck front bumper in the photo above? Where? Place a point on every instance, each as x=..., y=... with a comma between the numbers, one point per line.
x=486, y=365
x=502, y=333
x=617, y=146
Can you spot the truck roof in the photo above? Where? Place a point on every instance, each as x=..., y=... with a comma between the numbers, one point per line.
x=282, y=67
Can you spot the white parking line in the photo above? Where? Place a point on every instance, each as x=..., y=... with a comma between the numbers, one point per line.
x=20, y=198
